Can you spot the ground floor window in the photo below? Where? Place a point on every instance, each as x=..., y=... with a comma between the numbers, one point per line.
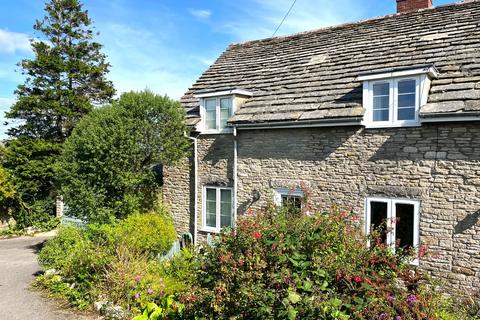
x=397, y=220
x=217, y=208
x=289, y=198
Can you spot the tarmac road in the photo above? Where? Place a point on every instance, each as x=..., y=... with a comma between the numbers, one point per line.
x=18, y=266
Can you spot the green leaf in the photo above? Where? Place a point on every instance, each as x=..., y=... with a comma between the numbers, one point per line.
x=292, y=313
x=151, y=307
x=294, y=297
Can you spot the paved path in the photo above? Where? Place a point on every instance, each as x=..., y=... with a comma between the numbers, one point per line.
x=18, y=266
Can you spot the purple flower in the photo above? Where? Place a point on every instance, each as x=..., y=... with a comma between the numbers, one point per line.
x=391, y=298
x=411, y=300
x=150, y=291
x=137, y=295
x=398, y=318
x=138, y=278
x=383, y=316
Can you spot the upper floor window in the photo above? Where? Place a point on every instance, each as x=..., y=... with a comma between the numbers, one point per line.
x=394, y=99
x=217, y=112
x=216, y=107
x=394, y=102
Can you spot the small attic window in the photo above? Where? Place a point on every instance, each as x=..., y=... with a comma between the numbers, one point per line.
x=217, y=112
x=216, y=108
x=393, y=99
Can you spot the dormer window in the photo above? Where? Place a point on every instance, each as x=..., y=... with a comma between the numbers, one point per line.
x=394, y=99
x=217, y=107
x=217, y=112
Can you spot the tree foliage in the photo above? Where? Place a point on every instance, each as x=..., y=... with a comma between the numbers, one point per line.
x=63, y=81
x=107, y=167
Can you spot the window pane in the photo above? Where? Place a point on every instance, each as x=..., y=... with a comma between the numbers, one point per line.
x=381, y=102
x=406, y=114
x=211, y=113
x=225, y=111
x=404, y=225
x=211, y=208
x=380, y=115
x=225, y=208
x=406, y=100
x=378, y=218
x=293, y=203
x=381, y=89
x=406, y=86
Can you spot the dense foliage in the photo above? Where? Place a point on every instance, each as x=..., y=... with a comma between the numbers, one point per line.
x=30, y=164
x=62, y=82
x=281, y=265
x=107, y=170
x=146, y=233
x=66, y=76
x=106, y=263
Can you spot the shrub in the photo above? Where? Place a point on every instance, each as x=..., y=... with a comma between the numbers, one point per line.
x=132, y=280
x=78, y=261
x=107, y=168
x=115, y=262
x=151, y=233
x=280, y=265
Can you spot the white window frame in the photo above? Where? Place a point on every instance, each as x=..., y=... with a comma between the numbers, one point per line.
x=393, y=102
x=391, y=218
x=218, y=198
x=203, y=112
x=279, y=192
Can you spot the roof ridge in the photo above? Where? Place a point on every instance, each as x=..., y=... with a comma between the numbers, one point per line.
x=346, y=24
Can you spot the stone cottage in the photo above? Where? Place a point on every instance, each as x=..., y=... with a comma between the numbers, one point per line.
x=382, y=116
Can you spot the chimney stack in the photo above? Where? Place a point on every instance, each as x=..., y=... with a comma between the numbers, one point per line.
x=412, y=5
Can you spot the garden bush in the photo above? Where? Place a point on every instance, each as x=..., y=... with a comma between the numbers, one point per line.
x=115, y=263
x=277, y=264
x=153, y=232
x=76, y=262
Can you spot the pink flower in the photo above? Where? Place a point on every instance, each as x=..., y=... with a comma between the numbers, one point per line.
x=138, y=278
x=137, y=295
x=150, y=291
x=221, y=258
x=357, y=279
x=257, y=235
x=422, y=250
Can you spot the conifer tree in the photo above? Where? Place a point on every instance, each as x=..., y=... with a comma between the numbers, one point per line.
x=64, y=80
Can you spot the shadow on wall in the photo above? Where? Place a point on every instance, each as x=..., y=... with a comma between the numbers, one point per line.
x=470, y=221
x=458, y=141
x=221, y=148
x=313, y=144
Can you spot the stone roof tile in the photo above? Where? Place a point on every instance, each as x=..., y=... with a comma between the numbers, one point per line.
x=313, y=75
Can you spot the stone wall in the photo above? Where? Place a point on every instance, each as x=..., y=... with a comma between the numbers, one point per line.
x=438, y=164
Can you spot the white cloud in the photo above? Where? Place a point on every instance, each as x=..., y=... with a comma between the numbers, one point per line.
x=6, y=103
x=261, y=17
x=12, y=42
x=201, y=13
x=142, y=59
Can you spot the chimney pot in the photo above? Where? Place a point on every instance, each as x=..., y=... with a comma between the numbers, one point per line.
x=412, y=5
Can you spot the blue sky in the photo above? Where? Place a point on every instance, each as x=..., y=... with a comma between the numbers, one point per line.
x=164, y=45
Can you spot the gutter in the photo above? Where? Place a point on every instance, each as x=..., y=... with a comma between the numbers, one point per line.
x=195, y=185
x=298, y=124
x=450, y=117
